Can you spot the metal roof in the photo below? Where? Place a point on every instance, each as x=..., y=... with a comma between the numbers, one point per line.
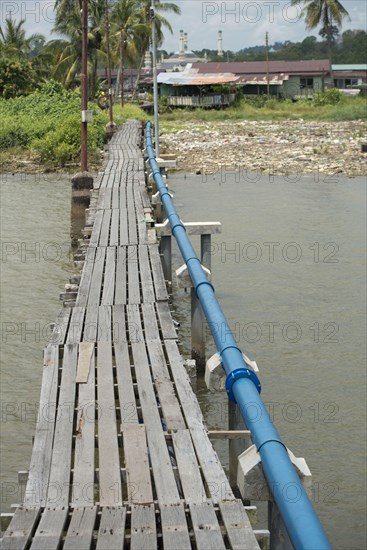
x=191, y=77
x=307, y=67
x=353, y=67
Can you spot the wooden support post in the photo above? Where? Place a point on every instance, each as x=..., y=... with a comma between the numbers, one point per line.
x=205, y=250
x=166, y=256
x=236, y=446
x=197, y=333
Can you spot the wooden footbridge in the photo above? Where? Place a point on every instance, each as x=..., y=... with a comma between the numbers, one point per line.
x=121, y=456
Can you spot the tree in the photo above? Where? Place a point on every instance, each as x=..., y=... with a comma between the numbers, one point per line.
x=17, y=77
x=330, y=13
x=15, y=43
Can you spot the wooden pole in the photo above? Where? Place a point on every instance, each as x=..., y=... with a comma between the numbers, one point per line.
x=109, y=79
x=267, y=64
x=84, y=90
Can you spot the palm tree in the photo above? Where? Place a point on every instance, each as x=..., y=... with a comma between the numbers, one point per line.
x=127, y=26
x=67, y=52
x=330, y=13
x=15, y=43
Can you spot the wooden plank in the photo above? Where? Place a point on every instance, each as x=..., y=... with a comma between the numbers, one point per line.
x=190, y=477
x=119, y=324
x=121, y=267
x=109, y=277
x=170, y=406
x=61, y=326
x=174, y=527
x=105, y=229
x=108, y=452
x=81, y=299
x=104, y=324
x=210, y=464
x=133, y=235
x=128, y=410
x=80, y=532
x=143, y=528
x=84, y=362
x=112, y=529
x=114, y=236
x=134, y=323
x=164, y=478
x=165, y=321
x=75, y=330
x=39, y=471
x=206, y=527
x=94, y=238
x=50, y=529
x=21, y=529
x=133, y=275
x=150, y=322
x=139, y=484
x=83, y=478
x=146, y=275
x=59, y=485
x=96, y=282
x=238, y=526
x=91, y=324
x=158, y=277
x=115, y=199
x=124, y=232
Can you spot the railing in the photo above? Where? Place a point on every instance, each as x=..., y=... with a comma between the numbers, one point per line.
x=304, y=528
x=201, y=101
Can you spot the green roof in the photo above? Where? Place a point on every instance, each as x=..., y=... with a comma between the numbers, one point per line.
x=358, y=67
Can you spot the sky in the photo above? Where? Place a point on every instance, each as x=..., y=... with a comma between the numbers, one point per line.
x=243, y=23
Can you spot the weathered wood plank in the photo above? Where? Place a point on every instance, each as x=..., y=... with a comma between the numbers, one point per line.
x=124, y=233
x=119, y=324
x=80, y=532
x=61, y=327
x=143, y=528
x=151, y=331
x=104, y=324
x=206, y=527
x=133, y=235
x=146, y=275
x=133, y=275
x=121, y=275
x=128, y=409
x=50, y=529
x=164, y=478
x=75, y=329
x=105, y=229
x=174, y=527
x=21, y=529
x=139, y=484
x=84, y=362
x=83, y=479
x=170, y=406
x=114, y=236
x=109, y=277
x=91, y=324
x=158, y=277
x=39, y=471
x=210, y=464
x=238, y=526
x=96, y=282
x=190, y=477
x=94, y=238
x=109, y=462
x=59, y=482
x=81, y=299
x=165, y=321
x=112, y=529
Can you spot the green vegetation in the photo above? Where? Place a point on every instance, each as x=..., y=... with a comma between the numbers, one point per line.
x=325, y=107
x=46, y=124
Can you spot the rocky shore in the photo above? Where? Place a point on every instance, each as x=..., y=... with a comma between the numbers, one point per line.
x=279, y=148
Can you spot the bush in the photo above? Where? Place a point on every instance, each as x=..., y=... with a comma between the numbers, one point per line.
x=328, y=97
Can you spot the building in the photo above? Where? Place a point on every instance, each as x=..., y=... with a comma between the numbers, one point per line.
x=350, y=78
x=288, y=79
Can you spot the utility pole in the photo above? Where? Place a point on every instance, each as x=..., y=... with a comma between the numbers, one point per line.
x=82, y=182
x=110, y=127
x=267, y=63
x=155, y=82
x=84, y=85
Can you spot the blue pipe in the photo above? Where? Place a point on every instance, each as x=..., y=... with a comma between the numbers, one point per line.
x=303, y=526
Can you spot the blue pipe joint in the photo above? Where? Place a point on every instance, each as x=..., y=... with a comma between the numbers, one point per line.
x=236, y=375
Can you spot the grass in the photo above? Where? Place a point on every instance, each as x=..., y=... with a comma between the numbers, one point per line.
x=350, y=108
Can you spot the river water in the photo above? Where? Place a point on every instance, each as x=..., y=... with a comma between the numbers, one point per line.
x=289, y=271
